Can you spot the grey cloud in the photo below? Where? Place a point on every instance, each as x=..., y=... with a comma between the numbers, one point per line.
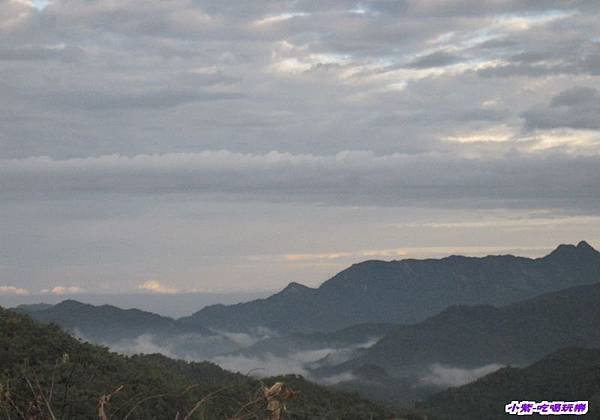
x=549, y=60
x=436, y=59
x=30, y=52
x=264, y=8
x=543, y=63
x=117, y=100
x=591, y=63
x=579, y=95
x=483, y=114
x=345, y=178
x=545, y=52
x=577, y=108
x=399, y=7
x=536, y=70
x=497, y=43
x=459, y=114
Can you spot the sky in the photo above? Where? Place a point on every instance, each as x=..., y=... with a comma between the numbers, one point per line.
x=197, y=146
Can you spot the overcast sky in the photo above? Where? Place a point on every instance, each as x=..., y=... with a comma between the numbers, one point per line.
x=211, y=145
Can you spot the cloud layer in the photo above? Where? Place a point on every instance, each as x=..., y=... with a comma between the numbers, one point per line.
x=235, y=129
x=12, y=290
x=344, y=178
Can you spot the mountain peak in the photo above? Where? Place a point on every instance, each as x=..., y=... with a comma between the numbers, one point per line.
x=584, y=246
x=71, y=303
x=295, y=287
x=294, y=291
x=573, y=251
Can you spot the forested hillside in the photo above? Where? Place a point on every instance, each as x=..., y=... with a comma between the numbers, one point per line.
x=45, y=373
x=571, y=374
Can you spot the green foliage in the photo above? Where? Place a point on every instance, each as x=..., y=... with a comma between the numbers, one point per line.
x=45, y=371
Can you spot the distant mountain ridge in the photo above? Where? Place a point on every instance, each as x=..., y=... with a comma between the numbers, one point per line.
x=473, y=336
x=107, y=323
x=132, y=331
x=33, y=307
x=406, y=291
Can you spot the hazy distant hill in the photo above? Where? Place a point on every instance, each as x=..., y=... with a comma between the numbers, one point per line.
x=33, y=307
x=107, y=323
x=407, y=291
x=133, y=331
x=571, y=374
x=45, y=367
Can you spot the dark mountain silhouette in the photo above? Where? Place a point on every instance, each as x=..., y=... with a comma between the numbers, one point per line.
x=469, y=337
x=407, y=291
x=570, y=374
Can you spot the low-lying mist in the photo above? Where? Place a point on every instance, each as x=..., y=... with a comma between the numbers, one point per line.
x=445, y=376
x=190, y=346
x=251, y=354
x=226, y=349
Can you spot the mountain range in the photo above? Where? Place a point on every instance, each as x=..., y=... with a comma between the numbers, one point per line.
x=107, y=323
x=133, y=330
x=372, y=292
x=406, y=291
x=547, y=304
x=70, y=378
x=469, y=337
x=569, y=374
